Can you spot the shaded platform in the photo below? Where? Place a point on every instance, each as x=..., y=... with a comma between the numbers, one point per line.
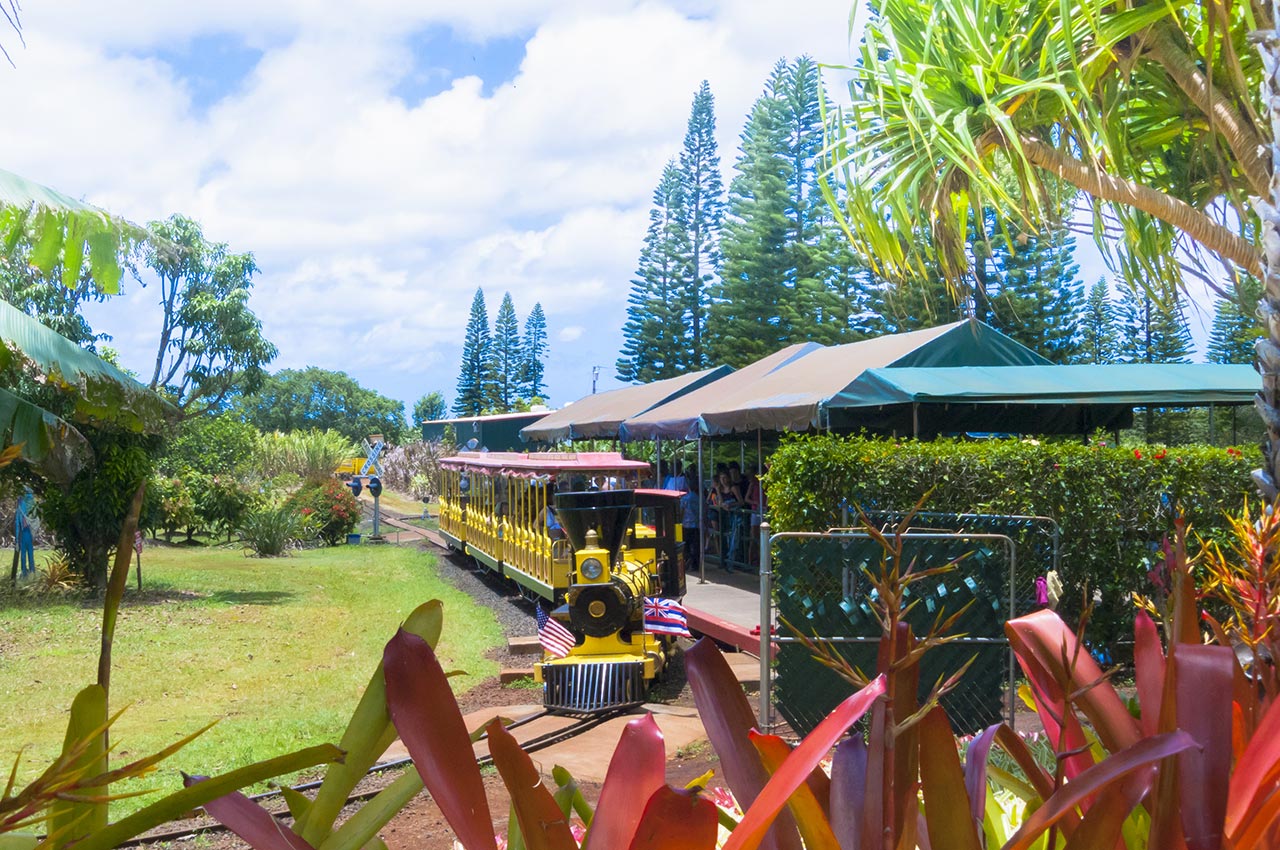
x=726, y=608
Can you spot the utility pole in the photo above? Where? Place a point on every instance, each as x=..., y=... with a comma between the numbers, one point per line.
x=595, y=376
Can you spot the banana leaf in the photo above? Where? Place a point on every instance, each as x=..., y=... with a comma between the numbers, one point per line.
x=60, y=228
x=102, y=393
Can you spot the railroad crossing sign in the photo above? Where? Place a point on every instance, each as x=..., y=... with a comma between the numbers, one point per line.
x=373, y=446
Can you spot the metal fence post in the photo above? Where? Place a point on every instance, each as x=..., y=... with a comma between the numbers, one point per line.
x=766, y=619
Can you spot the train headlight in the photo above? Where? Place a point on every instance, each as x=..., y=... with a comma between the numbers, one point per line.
x=592, y=569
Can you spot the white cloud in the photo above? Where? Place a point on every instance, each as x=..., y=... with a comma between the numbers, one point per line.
x=373, y=219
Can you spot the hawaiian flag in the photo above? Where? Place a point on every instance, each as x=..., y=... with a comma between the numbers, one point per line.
x=555, y=638
x=666, y=617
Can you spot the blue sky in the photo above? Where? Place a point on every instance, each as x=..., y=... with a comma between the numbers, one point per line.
x=383, y=159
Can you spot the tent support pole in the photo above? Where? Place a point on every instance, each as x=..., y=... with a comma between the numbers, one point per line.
x=702, y=520
x=657, y=452
x=759, y=453
x=915, y=419
x=742, y=454
x=1212, y=432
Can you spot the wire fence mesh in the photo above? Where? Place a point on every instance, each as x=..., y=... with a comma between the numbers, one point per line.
x=821, y=588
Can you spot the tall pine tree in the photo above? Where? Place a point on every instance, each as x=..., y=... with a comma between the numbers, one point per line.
x=654, y=345
x=704, y=202
x=1151, y=332
x=534, y=349
x=506, y=359
x=1236, y=326
x=1098, y=342
x=1040, y=300
x=473, y=380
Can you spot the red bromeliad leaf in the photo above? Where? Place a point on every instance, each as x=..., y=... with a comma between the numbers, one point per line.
x=975, y=772
x=676, y=819
x=848, y=791
x=1102, y=825
x=254, y=824
x=1255, y=779
x=542, y=823
x=948, y=813
x=1040, y=641
x=1021, y=753
x=1099, y=778
x=1148, y=663
x=1204, y=710
x=426, y=716
x=727, y=717
x=810, y=816
x=751, y=830
x=636, y=772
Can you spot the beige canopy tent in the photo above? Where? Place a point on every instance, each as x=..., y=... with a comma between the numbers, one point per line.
x=789, y=390
x=599, y=415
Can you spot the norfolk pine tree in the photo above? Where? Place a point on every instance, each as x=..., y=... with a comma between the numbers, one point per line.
x=473, y=380
x=1098, y=343
x=704, y=201
x=754, y=309
x=506, y=361
x=534, y=349
x=1040, y=299
x=654, y=345
x=1236, y=326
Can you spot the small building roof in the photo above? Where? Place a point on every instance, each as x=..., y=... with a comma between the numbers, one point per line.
x=599, y=415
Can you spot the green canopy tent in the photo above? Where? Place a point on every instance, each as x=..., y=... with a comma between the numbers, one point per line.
x=1030, y=399
x=789, y=390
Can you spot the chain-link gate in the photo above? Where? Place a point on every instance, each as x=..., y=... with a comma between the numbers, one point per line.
x=817, y=584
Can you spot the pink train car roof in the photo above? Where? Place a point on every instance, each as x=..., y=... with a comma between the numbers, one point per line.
x=529, y=464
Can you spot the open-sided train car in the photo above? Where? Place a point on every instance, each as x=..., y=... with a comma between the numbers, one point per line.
x=576, y=531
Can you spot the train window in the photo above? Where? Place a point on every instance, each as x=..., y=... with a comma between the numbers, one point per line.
x=464, y=483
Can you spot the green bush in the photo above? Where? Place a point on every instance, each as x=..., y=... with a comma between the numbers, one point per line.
x=270, y=531
x=331, y=507
x=221, y=502
x=1110, y=503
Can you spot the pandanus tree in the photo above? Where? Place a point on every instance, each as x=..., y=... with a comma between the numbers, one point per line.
x=1160, y=115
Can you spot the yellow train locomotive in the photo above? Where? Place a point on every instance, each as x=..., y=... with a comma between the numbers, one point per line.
x=575, y=531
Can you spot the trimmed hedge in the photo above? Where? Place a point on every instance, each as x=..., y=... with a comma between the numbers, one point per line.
x=1109, y=502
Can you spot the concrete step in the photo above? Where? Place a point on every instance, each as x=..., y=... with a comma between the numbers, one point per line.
x=515, y=674
x=524, y=645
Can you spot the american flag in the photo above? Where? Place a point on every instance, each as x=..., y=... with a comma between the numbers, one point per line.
x=665, y=616
x=555, y=638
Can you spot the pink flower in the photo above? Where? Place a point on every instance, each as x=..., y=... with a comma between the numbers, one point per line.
x=724, y=799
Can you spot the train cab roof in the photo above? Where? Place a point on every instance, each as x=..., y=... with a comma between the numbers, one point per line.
x=530, y=464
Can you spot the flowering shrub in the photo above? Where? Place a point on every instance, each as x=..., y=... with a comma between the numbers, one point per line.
x=333, y=510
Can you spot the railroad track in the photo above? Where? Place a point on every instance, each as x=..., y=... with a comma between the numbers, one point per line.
x=539, y=742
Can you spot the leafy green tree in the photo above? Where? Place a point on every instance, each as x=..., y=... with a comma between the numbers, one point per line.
x=1236, y=327
x=654, y=344
x=534, y=348
x=746, y=320
x=221, y=444
x=506, y=360
x=704, y=203
x=429, y=408
x=211, y=343
x=1098, y=343
x=321, y=399
x=473, y=379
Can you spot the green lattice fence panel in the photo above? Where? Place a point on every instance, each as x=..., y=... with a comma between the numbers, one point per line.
x=1037, y=540
x=820, y=589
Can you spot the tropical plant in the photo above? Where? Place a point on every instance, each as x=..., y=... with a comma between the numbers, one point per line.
x=272, y=530
x=311, y=455
x=1154, y=112
x=330, y=507
x=413, y=468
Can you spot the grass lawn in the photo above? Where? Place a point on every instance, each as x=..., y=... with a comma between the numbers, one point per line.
x=278, y=649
